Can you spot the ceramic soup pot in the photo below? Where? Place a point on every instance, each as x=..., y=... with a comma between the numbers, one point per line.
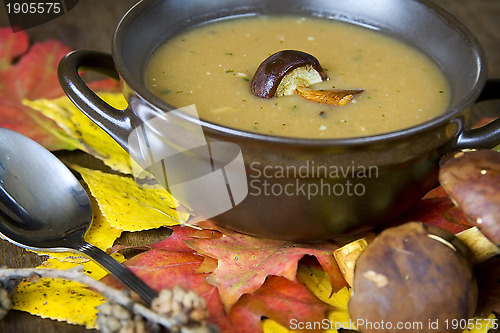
x=370, y=180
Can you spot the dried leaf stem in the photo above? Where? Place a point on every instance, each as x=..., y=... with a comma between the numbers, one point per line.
x=114, y=295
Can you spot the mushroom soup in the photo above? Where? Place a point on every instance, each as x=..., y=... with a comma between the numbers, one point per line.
x=212, y=66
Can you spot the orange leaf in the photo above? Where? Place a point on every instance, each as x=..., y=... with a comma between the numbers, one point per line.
x=244, y=262
x=172, y=263
x=284, y=301
x=439, y=211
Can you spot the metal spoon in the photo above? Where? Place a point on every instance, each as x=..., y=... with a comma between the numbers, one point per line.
x=43, y=207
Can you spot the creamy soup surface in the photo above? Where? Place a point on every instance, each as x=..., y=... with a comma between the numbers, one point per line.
x=211, y=66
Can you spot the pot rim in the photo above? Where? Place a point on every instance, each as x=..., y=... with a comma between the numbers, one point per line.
x=446, y=117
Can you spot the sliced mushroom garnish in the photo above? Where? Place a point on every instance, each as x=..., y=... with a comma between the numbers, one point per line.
x=291, y=72
x=334, y=96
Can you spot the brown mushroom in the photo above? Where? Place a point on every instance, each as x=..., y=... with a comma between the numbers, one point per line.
x=291, y=72
x=472, y=180
x=413, y=278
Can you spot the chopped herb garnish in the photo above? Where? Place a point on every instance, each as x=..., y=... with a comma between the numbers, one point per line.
x=228, y=53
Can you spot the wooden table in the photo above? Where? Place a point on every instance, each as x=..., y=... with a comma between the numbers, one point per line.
x=90, y=25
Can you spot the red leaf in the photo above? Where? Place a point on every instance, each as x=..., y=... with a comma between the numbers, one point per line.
x=13, y=45
x=244, y=262
x=281, y=300
x=35, y=76
x=439, y=211
x=31, y=73
x=32, y=76
x=170, y=264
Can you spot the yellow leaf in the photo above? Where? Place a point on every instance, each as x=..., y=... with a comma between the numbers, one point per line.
x=92, y=139
x=61, y=299
x=270, y=326
x=316, y=280
x=128, y=206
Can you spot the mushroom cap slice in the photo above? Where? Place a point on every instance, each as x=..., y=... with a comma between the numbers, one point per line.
x=472, y=180
x=415, y=274
x=271, y=71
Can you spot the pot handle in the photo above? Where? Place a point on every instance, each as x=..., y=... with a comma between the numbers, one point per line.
x=117, y=123
x=487, y=136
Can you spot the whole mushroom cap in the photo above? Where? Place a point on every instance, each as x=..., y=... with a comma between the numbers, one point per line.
x=412, y=275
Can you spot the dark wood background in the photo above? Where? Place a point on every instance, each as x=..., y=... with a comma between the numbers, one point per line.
x=90, y=25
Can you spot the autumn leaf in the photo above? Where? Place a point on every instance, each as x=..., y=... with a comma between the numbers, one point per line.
x=128, y=206
x=439, y=211
x=171, y=263
x=280, y=299
x=30, y=73
x=316, y=280
x=88, y=136
x=244, y=262
x=61, y=299
x=13, y=45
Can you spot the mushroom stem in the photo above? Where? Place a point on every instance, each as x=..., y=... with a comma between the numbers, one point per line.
x=479, y=245
x=346, y=257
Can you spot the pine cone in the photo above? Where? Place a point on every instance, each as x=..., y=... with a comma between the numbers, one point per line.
x=188, y=311
x=188, y=307
x=114, y=318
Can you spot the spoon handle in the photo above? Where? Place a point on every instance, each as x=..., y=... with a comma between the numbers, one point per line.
x=121, y=272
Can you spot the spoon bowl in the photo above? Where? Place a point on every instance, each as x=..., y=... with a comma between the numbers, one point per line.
x=43, y=207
